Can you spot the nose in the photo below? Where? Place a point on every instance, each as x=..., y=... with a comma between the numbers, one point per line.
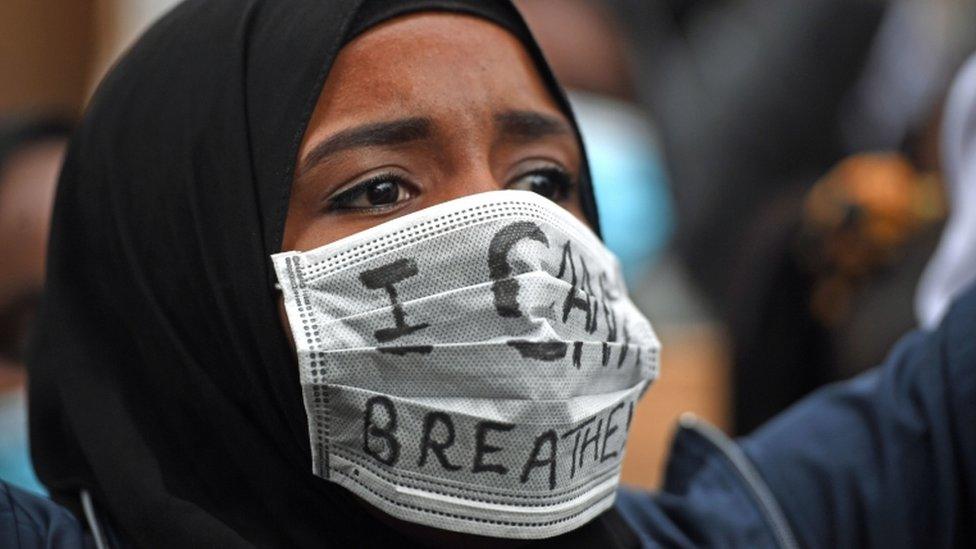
x=473, y=179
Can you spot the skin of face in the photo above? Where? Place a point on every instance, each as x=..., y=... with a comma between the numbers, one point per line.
x=27, y=183
x=433, y=106
x=468, y=80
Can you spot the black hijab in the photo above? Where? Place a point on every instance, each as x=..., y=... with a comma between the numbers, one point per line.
x=161, y=379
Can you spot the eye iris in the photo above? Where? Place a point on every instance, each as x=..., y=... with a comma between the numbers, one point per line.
x=541, y=184
x=383, y=192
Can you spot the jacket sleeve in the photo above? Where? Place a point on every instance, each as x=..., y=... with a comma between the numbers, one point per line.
x=888, y=459
x=28, y=520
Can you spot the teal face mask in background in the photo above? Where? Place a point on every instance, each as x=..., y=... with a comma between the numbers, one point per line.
x=632, y=195
x=15, y=463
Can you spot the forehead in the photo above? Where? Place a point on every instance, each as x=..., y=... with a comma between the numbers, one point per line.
x=441, y=62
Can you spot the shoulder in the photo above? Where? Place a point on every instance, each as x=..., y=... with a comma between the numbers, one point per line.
x=29, y=520
x=888, y=458
x=712, y=496
x=959, y=335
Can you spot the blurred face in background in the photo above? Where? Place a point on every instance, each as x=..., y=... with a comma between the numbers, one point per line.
x=591, y=56
x=28, y=178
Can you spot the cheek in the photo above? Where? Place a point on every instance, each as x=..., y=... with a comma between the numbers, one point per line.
x=577, y=212
x=307, y=228
x=313, y=231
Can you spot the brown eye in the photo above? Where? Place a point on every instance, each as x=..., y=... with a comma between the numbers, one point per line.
x=382, y=192
x=377, y=193
x=552, y=183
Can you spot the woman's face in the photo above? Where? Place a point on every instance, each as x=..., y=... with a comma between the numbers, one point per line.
x=421, y=110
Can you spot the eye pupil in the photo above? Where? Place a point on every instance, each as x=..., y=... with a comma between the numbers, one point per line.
x=552, y=183
x=542, y=185
x=383, y=192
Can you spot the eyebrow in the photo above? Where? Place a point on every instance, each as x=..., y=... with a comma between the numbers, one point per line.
x=530, y=124
x=394, y=132
x=526, y=125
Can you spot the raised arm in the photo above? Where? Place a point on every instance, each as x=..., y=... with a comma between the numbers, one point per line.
x=889, y=458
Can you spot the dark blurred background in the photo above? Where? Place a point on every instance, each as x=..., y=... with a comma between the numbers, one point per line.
x=768, y=171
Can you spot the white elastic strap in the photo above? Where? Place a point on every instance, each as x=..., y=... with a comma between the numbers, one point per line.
x=96, y=530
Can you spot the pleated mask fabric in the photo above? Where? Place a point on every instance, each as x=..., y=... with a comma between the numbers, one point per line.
x=472, y=366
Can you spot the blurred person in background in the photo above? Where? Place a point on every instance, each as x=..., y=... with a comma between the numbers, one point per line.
x=948, y=284
x=594, y=55
x=593, y=58
x=869, y=226
x=31, y=150
x=745, y=94
x=811, y=268
x=591, y=55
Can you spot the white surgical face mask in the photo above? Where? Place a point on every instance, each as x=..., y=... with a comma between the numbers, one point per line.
x=473, y=366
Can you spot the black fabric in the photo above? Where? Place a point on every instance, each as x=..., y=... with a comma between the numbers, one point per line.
x=161, y=379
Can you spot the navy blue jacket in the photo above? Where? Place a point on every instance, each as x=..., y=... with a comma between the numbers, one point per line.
x=886, y=460
x=29, y=520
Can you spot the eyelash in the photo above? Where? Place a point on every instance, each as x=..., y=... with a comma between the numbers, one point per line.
x=340, y=201
x=564, y=183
